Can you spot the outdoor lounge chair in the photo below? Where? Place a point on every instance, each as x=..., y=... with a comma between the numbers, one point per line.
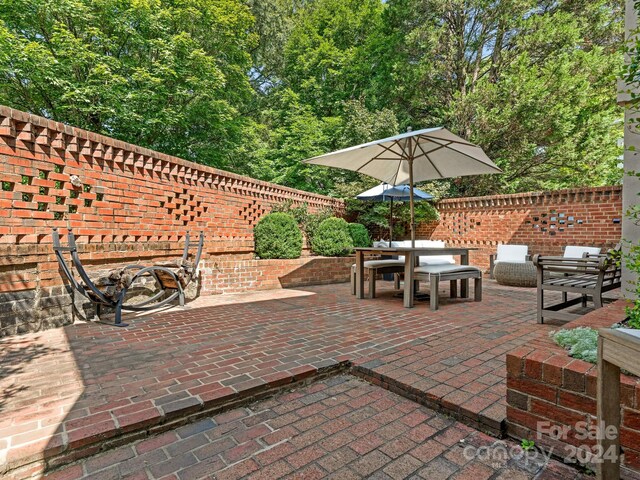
x=589, y=277
x=508, y=254
x=171, y=279
x=512, y=265
x=434, y=274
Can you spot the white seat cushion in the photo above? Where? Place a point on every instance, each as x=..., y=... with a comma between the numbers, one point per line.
x=512, y=253
x=446, y=268
x=382, y=263
x=440, y=269
x=578, y=252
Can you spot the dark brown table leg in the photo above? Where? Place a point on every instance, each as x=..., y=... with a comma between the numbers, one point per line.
x=359, y=274
x=464, y=283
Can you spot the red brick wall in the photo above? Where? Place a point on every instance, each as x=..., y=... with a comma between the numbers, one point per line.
x=134, y=205
x=545, y=221
x=229, y=274
x=547, y=387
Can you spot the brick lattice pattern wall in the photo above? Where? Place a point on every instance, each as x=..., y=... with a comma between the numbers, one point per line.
x=130, y=205
x=545, y=221
x=134, y=205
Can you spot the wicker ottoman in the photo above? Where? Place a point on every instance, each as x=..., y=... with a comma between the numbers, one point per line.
x=515, y=274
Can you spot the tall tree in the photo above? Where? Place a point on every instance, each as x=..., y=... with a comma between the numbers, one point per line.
x=531, y=82
x=257, y=86
x=163, y=74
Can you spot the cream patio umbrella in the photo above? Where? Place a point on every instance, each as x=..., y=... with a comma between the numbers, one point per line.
x=412, y=157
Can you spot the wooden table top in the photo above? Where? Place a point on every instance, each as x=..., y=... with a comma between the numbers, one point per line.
x=423, y=250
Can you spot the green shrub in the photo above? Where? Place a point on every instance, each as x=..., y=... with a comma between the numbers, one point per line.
x=331, y=238
x=299, y=212
x=308, y=222
x=359, y=235
x=277, y=236
x=582, y=342
x=313, y=221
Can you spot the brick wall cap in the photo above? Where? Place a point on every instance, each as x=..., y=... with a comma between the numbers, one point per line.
x=448, y=202
x=85, y=135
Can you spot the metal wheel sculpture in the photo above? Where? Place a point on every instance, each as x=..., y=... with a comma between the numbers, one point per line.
x=170, y=278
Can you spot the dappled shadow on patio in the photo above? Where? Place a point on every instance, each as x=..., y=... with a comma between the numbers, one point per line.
x=115, y=384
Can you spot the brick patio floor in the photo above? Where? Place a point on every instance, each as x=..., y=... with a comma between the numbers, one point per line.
x=75, y=390
x=339, y=428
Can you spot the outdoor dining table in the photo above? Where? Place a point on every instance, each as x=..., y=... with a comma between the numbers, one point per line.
x=411, y=255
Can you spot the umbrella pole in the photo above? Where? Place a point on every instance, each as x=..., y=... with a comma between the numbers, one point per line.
x=391, y=223
x=411, y=205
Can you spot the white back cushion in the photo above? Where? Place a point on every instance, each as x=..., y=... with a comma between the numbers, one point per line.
x=578, y=252
x=512, y=253
x=401, y=243
x=380, y=244
x=431, y=259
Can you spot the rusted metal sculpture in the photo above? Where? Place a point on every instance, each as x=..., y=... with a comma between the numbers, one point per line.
x=111, y=291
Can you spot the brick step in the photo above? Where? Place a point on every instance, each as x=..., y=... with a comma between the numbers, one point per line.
x=97, y=435
x=479, y=415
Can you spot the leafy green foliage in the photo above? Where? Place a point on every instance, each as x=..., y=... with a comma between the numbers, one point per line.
x=582, y=342
x=532, y=83
x=298, y=212
x=632, y=263
x=307, y=221
x=332, y=238
x=376, y=215
x=255, y=87
x=277, y=236
x=166, y=75
x=359, y=235
x=527, y=444
x=313, y=222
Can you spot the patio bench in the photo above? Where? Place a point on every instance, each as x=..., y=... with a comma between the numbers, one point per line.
x=375, y=267
x=434, y=274
x=171, y=279
x=589, y=277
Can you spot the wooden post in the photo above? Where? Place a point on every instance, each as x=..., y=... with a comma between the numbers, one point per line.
x=411, y=204
x=391, y=222
x=608, y=414
x=409, y=265
x=540, y=292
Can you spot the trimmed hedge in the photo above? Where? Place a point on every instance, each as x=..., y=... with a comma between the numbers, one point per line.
x=332, y=238
x=359, y=235
x=277, y=235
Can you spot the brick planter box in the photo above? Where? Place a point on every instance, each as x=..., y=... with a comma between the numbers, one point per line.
x=552, y=398
x=230, y=274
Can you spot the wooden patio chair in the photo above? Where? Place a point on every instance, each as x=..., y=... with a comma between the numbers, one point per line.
x=589, y=277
